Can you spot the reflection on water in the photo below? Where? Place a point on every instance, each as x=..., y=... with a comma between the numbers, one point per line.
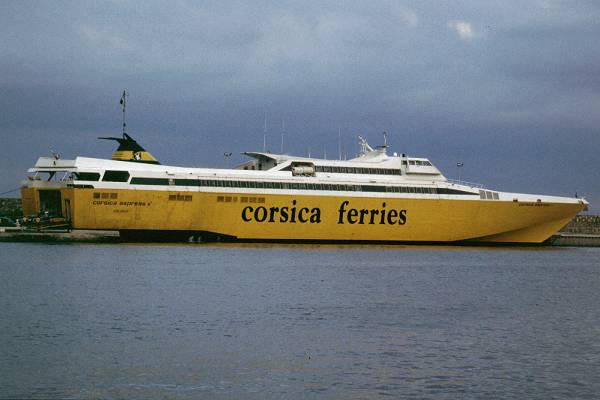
x=288, y=321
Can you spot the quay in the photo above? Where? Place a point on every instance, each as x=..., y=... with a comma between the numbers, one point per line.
x=561, y=239
x=583, y=231
x=58, y=236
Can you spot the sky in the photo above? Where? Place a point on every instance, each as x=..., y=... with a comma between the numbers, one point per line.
x=511, y=89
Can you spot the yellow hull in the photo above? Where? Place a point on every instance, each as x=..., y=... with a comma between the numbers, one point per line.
x=278, y=217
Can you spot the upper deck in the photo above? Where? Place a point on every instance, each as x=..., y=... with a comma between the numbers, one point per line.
x=372, y=174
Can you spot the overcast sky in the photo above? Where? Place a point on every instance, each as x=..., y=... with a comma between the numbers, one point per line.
x=511, y=88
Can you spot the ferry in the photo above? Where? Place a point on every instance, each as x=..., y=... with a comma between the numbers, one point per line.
x=373, y=198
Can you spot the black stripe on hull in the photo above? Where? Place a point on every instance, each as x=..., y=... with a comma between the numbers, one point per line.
x=166, y=236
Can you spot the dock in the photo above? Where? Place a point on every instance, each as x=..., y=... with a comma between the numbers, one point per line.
x=58, y=236
x=561, y=239
x=575, y=240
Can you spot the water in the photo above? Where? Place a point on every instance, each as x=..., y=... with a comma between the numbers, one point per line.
x=288, y=322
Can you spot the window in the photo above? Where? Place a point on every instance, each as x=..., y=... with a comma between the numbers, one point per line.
x=454, y=191
x=187, y=182
x=116, y=176
x=87, y=176
x=148, y=181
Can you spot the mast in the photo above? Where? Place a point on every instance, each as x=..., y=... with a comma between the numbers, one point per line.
x=282, y=133
x=265, y=134
x=340, y=143
x=123, y=102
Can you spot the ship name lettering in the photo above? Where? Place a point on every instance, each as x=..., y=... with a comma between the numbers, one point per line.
x=282, y=214
x=104, y=203
x=363, y=216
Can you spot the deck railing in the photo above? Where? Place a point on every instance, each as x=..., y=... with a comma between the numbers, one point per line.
x=466, y=183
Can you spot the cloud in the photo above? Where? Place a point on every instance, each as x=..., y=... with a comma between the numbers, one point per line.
x=408, y=17
x=464, y=29
x=99, y=38
x=204, y=72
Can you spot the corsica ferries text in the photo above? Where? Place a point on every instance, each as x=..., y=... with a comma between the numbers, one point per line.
x=346, y=214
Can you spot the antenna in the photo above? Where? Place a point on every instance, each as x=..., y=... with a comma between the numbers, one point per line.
x=364, y=146
x=385, y=134
x=227, y=156
x=282, y=133
x=265, y=134
x=340, y=142
x=123, y=104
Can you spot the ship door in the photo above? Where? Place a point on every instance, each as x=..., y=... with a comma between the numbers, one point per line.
x=68, y=210
x=50, y=202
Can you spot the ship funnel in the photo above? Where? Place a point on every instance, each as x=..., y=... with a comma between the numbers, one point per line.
x=130, y=150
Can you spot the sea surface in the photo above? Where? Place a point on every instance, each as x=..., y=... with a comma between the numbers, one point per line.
x=298, y=322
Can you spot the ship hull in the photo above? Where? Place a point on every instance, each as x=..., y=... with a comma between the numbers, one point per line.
x=161, y=215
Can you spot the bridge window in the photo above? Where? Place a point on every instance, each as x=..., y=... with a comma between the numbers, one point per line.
x=115, y=176
x=87, y=176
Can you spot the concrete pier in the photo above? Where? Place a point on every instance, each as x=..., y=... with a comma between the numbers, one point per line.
x=575, y=240
x=74, y=236
x=90, y=236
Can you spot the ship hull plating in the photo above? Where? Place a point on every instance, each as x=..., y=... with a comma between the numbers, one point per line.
x=159, y=215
